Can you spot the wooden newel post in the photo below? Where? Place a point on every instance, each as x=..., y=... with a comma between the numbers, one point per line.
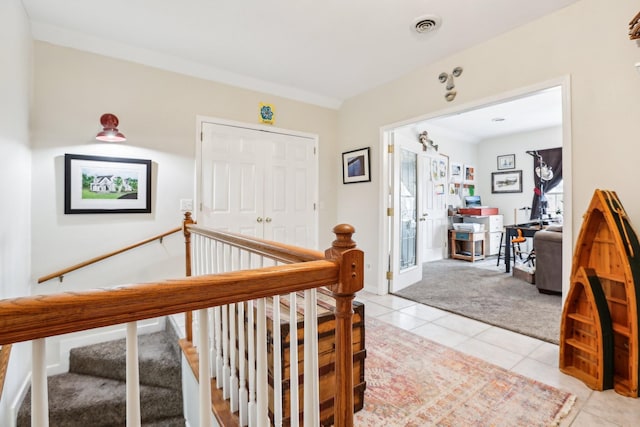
x=351, y=281
x=188, y=316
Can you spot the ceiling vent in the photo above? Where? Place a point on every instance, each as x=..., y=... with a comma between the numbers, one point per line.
x=427, y=23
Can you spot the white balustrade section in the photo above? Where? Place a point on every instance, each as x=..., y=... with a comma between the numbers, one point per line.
x=239, y=345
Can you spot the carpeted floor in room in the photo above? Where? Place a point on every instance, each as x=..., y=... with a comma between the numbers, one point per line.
x=484, y=292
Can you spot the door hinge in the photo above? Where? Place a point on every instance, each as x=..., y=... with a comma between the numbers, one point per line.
x=389, y=275
x=201, y=136
x=314, y=151
x=389, y=211
x=390, y=148
x=314, y=206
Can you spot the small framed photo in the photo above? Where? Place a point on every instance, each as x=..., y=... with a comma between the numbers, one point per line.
x=508, y=161
x=356, y=166
x=94, y=184
x=469, y=174
x=456, y=172
x=506, y=182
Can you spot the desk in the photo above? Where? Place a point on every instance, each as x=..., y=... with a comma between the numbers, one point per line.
x=460, y=239
x=511, y=231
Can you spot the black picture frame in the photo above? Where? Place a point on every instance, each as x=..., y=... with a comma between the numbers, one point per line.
x=99, y=185
x=506, y=161
x=356, y=166
x=506, y=182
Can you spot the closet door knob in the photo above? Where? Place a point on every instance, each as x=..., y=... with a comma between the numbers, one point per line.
x=267, y=219
x=259, y=219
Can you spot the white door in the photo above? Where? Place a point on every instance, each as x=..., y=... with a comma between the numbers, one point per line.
x=408, y=180
x=258, y=183
x=433, y=214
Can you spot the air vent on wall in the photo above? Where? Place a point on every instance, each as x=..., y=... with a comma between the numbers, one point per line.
x=426, y=23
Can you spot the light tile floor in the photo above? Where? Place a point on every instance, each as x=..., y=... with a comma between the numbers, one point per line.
x=527, y=356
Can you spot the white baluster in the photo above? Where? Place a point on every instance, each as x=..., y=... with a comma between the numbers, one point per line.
x=204, y=374
x=217, y=324
x=251, y=344
x=226, y=371
x=293, y=358
x=277, y=365
x=39, y=393
x=262, y=386
x=233, y=358
x=243, y=394
x=133, y=376
x=311, y=387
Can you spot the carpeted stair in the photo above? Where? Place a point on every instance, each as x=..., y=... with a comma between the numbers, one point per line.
x=93, y=392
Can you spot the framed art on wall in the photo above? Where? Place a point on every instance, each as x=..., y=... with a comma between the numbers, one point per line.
x=506, y=182
x=94, y=184
x=469, y=174
x=507, y=161
x=456, y=172
x=356, y=166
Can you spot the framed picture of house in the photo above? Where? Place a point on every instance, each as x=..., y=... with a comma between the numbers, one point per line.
x=506, y=182
x=94, y=184
x=356, y=166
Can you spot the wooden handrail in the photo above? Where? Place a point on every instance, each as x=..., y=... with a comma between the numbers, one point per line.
x=273, y=250
x=42, y=316
x=61, y=273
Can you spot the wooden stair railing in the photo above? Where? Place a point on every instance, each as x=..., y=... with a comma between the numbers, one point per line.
x=343, y=292
x=42, y=316
x=60, y=273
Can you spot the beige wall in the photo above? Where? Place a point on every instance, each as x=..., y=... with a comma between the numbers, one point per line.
x=15, y=176
x=157, y=111
x=587, y=41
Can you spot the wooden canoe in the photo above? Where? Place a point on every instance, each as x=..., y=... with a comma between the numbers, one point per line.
x=608, y=245
x=586, y=335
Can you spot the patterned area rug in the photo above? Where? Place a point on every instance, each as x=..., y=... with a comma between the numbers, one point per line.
x=414, y=382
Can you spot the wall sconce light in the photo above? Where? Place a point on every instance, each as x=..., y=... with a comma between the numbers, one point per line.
x=426, y=142
x=110, y=132
x=448, y=78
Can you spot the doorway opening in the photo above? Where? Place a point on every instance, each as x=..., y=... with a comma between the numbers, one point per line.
x=442, y=127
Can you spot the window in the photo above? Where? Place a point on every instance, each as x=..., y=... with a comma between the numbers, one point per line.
x=555, y=198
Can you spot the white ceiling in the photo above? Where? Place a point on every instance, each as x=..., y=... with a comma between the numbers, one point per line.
x=321, y=52
x=538, y=110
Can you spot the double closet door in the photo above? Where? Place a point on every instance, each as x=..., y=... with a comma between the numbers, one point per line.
x=259, y=183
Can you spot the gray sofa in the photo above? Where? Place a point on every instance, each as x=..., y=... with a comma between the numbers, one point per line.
x=548, y=246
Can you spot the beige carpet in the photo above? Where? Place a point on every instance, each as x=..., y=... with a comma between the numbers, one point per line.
x=413, y=382
x=486, y=293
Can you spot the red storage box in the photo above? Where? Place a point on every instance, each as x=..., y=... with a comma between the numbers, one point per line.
x=478, y=211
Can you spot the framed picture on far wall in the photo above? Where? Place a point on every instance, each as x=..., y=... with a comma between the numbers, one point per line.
x=469, y=174
x=506, y=182
x=456, y=172
x=508, y=161
x=94, y=184
x=356, y=166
